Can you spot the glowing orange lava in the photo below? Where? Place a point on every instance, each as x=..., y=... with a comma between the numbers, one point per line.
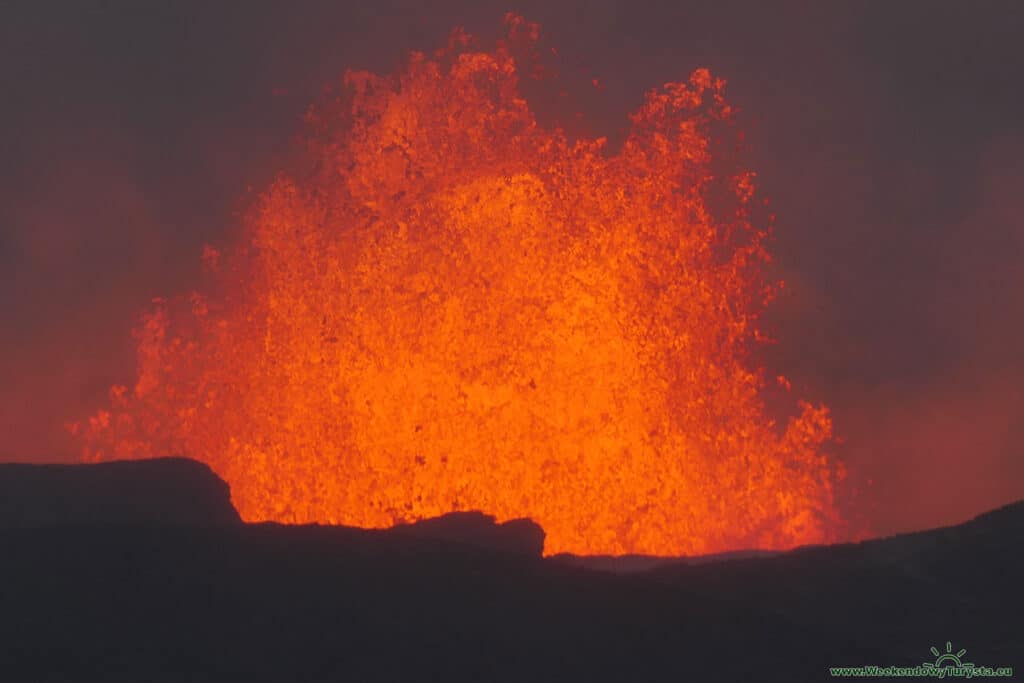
x=459, y=309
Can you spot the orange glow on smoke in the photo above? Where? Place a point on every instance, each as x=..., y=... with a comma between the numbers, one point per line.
x=458, y=309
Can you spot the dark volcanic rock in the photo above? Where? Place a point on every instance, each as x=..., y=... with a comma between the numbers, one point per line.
x=160, y=492
x=517, y=536
x=461, y=598
x=632, y=564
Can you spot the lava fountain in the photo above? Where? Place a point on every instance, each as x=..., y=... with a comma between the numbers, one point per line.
x=458, y=308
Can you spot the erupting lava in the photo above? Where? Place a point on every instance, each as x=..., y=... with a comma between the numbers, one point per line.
x=458, y=308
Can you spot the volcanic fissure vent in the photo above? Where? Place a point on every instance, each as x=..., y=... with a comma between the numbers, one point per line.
x=457, y=308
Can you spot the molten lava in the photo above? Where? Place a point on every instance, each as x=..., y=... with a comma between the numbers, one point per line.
x=457, y=308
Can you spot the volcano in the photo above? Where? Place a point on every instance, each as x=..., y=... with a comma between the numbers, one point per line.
x=453, y=307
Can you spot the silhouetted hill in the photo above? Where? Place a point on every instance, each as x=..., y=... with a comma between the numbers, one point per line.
x=516, y=536
x=162, y=491
x=267, y=602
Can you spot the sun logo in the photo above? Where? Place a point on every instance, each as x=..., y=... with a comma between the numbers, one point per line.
x=947, y=658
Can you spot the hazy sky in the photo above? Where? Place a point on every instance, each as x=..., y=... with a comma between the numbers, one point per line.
x=888, y=135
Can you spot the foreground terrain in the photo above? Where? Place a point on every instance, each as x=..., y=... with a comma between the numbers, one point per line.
x=143, y=572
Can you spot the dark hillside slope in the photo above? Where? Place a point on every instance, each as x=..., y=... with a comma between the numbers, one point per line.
x=162, y=491
x=275, y=603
